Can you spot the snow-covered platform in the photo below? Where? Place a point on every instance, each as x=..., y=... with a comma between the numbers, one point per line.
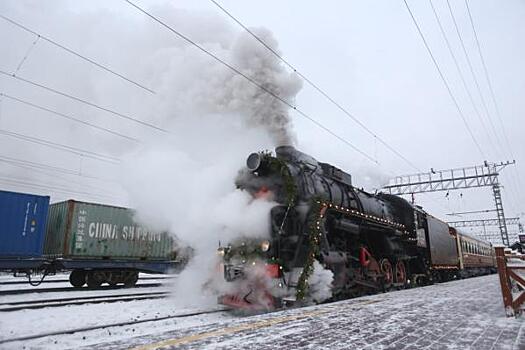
x=456, y=315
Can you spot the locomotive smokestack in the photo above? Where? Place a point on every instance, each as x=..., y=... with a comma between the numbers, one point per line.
x=286, y=152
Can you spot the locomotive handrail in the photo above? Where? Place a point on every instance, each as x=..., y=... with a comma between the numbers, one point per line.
x=512, y=282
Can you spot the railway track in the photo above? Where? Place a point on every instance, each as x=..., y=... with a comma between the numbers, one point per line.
x=117, y=324
x=5, y=283
x=98, y=299
x=66, y=289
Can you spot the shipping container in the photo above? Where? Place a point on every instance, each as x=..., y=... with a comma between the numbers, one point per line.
x=87, y=230
x=22, y=224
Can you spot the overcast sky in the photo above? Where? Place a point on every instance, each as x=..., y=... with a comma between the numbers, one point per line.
x=366, y=55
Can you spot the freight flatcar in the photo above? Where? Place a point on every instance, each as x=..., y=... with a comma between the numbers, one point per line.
x=97, y=243
x=367, y=242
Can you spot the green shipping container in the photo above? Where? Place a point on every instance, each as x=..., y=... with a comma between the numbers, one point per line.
x=87, y=230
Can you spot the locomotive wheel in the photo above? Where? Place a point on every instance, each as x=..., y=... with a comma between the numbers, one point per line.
x=401, y=273
x=388, y=275
x=77, y=278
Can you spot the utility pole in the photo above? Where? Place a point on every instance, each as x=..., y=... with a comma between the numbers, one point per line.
x=485, y=175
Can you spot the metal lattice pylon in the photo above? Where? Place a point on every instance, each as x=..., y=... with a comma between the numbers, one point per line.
x=454, y=179
x=501, y=215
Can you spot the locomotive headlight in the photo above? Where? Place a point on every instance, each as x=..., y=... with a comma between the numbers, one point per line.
x=265, y=245
x=221, y=251
x=254, y=161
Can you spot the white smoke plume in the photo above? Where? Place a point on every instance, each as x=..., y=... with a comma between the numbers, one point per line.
x=184, y=182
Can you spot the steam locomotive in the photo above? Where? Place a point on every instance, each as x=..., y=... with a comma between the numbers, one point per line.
x=322, y=224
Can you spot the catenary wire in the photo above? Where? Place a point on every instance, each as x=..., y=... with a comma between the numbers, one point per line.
x=469, y=62
x=28, y=52
x=462, y=77
x=493, y=96
x=444, y=80
x=55, y=176
x=93, y=62
x=515, y=179
x=316, y=87
x=247, y=78
x=67, y=117
x=13, y=160
x=338, y=105
x=485, y=70
x=321, y=91
x=78, y=99
x=61, y=147
x=17, y=182
x=252, y=81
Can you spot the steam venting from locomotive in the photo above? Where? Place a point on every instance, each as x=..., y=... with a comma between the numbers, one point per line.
x=185, y=182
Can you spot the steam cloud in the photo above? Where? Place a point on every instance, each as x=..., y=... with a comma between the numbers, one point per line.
x=184, y=183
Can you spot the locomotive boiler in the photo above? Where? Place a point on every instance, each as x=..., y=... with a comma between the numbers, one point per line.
x=321, y=222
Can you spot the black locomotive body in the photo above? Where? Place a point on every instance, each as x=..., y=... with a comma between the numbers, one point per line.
x=370, y=242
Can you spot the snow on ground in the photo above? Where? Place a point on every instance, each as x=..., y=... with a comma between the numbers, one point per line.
x=30, y=322
x=456, y=315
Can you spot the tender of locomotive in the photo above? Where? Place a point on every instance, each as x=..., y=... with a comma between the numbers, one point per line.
x=370, y=242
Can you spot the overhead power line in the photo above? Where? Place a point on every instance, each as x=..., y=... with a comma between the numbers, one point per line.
x=28, y=52
x=69, y=117
x=491, y=89
x=471, y=98
x=485, y=70
x=61, y=147
x=17, y=182
x=444, y=81
x=78, y=99
x=55, y=176
x=93, y=62
x=476, y=82
x=516, y=178
x=13, y=160
x=315, y=86
x=252, y=81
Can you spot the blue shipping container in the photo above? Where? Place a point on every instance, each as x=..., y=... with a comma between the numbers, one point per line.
x=22, y=224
